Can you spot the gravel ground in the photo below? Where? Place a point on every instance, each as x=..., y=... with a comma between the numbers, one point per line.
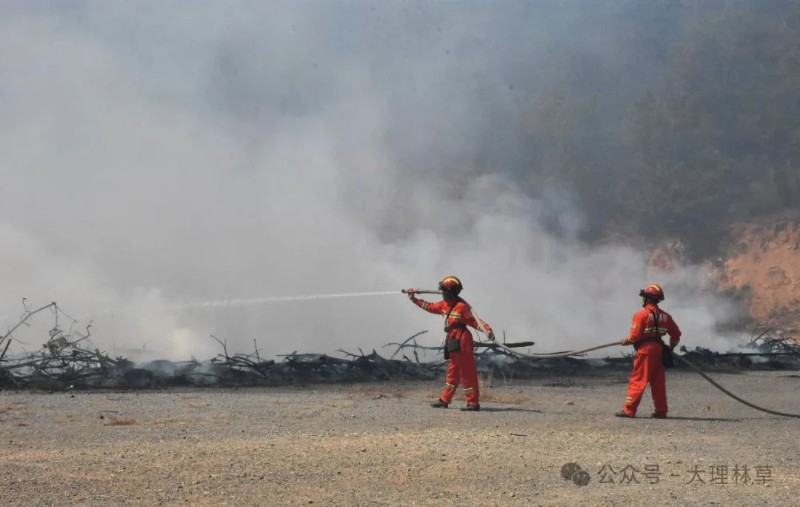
x=381, y=444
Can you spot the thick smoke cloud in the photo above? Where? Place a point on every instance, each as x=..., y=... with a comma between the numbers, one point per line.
x=157, y=156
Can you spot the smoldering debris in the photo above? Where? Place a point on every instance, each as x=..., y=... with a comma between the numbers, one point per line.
x=768, y=349
x=65, y=361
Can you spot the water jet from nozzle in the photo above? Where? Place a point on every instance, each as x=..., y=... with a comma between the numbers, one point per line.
x=225, y=303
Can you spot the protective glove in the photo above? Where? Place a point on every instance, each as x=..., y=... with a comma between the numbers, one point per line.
x=411, y=293
x=490, y=335
x=626, y=341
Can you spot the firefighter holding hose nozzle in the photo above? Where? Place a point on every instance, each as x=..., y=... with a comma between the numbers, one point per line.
x=459, y=346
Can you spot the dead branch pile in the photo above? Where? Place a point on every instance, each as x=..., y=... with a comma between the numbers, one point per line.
x=772, y=353
x=66, y=360
x=768, y=349
x=251, y=369
x=60, y=362
x=773, y=341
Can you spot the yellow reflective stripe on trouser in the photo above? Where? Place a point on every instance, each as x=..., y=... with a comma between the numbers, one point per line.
x=468, y=389
x=449, y=386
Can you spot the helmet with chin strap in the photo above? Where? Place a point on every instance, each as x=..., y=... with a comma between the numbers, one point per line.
x=451, y=284
x=653, y=292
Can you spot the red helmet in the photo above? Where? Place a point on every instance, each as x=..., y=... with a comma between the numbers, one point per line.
x=653, y=292
x=451, y=284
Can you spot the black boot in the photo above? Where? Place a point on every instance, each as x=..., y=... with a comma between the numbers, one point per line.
x=439, y=404
x=471, y=408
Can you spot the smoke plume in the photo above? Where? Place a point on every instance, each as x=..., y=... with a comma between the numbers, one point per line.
x=157, y=158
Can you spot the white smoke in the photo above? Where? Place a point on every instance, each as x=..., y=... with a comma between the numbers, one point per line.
x=259, y=150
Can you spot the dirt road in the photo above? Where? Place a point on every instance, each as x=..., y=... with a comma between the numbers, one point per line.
x=381, y=444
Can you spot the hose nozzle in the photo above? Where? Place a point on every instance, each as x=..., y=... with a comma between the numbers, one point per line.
x=420, y=291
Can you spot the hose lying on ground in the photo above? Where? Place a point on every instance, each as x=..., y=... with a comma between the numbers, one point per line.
x=556, y=355
x=680, y=358
x=740, y=400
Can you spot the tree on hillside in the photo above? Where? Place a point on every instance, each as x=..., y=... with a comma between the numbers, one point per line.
x=718, y=140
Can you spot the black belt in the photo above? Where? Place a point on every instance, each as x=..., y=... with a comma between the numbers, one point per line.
x=645, y=340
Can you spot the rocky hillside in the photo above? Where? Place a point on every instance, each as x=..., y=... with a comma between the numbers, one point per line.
x=761, y=268
x=764, y=267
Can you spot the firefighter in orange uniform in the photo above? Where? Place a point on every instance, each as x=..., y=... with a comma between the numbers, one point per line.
x=458, y=344
x=647, y=327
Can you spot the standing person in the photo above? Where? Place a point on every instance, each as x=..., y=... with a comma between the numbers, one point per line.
x=459, y=346
x=647, y=327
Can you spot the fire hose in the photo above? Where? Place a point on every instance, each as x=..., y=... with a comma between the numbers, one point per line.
x=678, y=357
x=556, y=355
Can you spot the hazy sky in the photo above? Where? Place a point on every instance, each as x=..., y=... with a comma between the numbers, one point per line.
x=160, y=154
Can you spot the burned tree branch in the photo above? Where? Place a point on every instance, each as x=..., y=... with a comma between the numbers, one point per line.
x=66, y=360
x=403, y=344
x=27, y=314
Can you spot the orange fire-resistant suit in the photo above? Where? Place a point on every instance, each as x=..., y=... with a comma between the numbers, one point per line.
x=462, y=367
x=647, y=327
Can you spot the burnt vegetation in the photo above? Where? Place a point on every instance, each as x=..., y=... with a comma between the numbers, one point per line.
x=66, y=360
